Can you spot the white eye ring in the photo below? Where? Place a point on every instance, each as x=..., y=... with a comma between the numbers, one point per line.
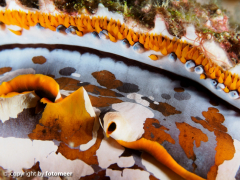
x=234, y=94
x=199, y=69
x=125, y=43
x=71, y=29
x=104, y=34
x=172, y=57
x=138, y=47
x=189, y=65
x=214, y=82
x=61, y=29
x=95, y=35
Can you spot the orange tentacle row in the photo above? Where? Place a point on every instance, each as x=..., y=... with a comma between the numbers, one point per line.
x=195, y=55
x=202, y=76
x=179, y=50
x=31, y=82
x=35, y=17
x=79, y=33
x=163, y=44
x=109, y=25
x=161, y=154
x=130, y=37
x=226, y=90
x=89, y=26
x=25, y=21
x=19, y=33
x=199, y=60
x=183, y=60
x=151, y=44
x=220, y=79
x=205, y=62
x=228, y=81
x=190, y=53
x=159, y=39
x=238, y=84
x=48, y=23
x=135, y=37
x=142, y=38
x=170, y=48
x=115, y=31
x=97, y=26
x=164, y=51
x=146, y=43
x=73, y=21
x=118, y=31
x=2, y=19
x=153, y=57
x=211, y=70
x=105, y=23
x=120, y=36
x=42, y=21
x=112, y=38
x=60, y=19
x=156, y=48
x=30, y=20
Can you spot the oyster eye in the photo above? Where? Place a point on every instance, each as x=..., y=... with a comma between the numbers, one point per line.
x=125, y=43
x=38, y=25
x=138, y=47
x=71, y=29
x=172, y=57
x=220, y=86
x=233, y=94
x=189, y=65
x=213, y=82
x=104, y=34
x=111, y=128
x=95, y=34
x=199, y=69
x=61, y=29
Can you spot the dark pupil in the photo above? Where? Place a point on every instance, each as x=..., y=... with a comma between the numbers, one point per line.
x=112, y=127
